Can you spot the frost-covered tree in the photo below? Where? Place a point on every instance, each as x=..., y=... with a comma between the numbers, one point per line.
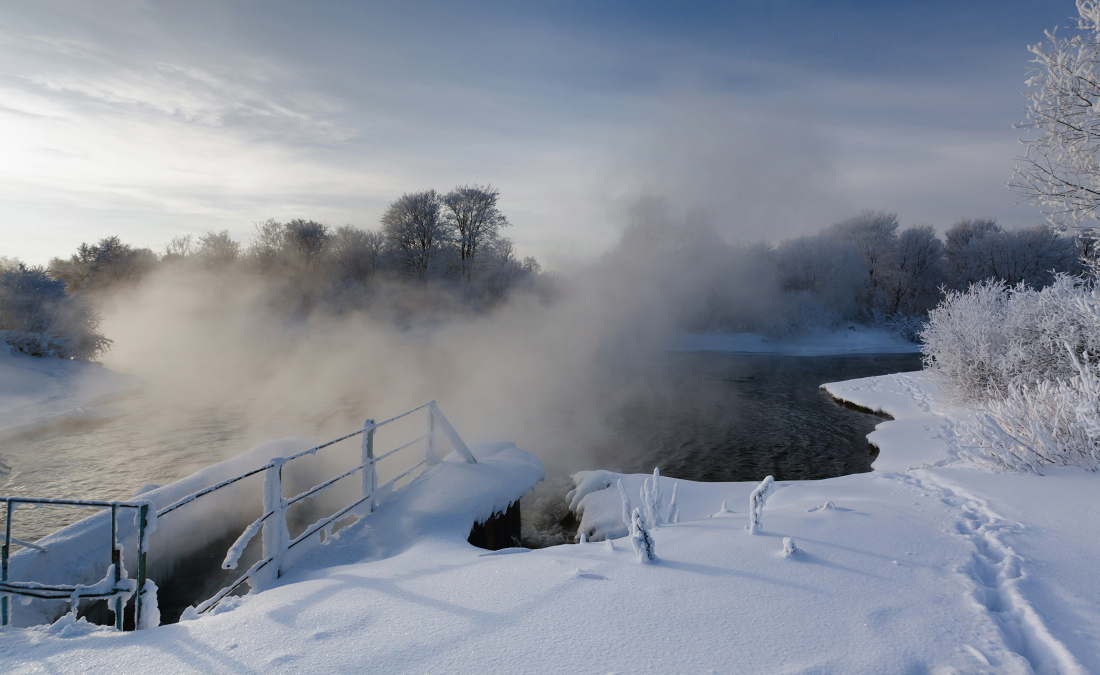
x=37, y=316
x=756, y=503
x=415, y=231
x=1060, y=170
x=913, y=286
x=356, y=253
x=473, y=217
x=305, y=242
x=218, y=249
x=105, y=263
x=874, y=235
x=640, y=538
x=979, y=250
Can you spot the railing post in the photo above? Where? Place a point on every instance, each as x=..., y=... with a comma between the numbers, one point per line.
x=5, y=550
x=430, y=450
x=143, y=515
x=369, y=475
x=275, y=533
x=116, y=560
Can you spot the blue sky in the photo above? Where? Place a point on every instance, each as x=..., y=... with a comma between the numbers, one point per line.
x=151, y=120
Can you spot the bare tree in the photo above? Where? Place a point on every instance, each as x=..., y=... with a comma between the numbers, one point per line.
x=918, y=275
x=1060, y=170
x=357, y=253
x=874, y=235
x=415, y=231
x=472, y=213
x=218, y=249
x=305, y=241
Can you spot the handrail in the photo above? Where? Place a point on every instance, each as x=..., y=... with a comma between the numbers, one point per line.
x=273, y=522
x=117, y=586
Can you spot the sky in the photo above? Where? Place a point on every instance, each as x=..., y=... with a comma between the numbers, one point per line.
x=157, y=119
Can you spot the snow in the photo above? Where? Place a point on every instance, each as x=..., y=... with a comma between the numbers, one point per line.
x=926, y=564
x=853, y=340
x=39, y=392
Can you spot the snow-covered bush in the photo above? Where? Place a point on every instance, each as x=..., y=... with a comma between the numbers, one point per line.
x=37, y=316
x=1028, y=360
x=756, y=503
x=640, y=538
x=652, y=500
x=789, y=547
x=993, y=337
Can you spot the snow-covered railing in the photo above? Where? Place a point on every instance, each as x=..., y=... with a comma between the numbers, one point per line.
x=272, y=524
x=115, y=587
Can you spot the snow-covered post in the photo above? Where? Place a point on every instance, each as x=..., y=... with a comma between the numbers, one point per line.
x=640, y=538
x=143, y=522
x=5, y=601
x=429, y=451
x=276, y=536
x=369, y=477
x=116, y=561
x=756, y=503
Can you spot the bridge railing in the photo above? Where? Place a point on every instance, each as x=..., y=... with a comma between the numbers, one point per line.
x=272, y=524
x=115, y=587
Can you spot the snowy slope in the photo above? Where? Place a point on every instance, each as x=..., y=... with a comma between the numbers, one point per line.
x=39, y=392
x=941, y=569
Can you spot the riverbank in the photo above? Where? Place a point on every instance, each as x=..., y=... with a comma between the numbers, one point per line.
x=922, y=565
x=36, y=393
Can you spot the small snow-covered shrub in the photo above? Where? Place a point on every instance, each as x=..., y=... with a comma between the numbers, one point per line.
x=652, y=499
x=37, y=317
x=756, y=503
x=789, y=548
x=640, y=538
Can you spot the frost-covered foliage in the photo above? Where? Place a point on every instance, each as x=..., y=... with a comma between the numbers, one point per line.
x=37, y=316
x=628, y=508
x=756, y=503
x=640, y=538
x=992, y=337
x=652, y=499
x=978, y=250
x=1060, y=172
x=789, y=547
x=1028, y=359
x=109, y=262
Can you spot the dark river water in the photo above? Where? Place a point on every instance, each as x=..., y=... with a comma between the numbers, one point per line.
x=738, y=417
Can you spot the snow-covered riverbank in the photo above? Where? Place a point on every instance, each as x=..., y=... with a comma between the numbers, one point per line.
x=36, y=393
x=942, y=568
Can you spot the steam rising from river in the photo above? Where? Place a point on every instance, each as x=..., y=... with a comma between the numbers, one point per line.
x=545, y=373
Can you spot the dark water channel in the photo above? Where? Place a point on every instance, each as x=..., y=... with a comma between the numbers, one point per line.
x=737, y=417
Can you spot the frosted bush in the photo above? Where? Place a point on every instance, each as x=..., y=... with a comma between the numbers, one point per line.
x=982, y=342
x=756, y=503
x=640, y=538
x=1028, y=360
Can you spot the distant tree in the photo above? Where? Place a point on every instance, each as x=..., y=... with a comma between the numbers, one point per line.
x=356, y=253
x=472, y=214
x=1060, y=170
x=415, y=231
x=874, y=235
x=978, y=250
x=305, y=242
x=913, y=288
x=178, y=249
x=218, y=249
x=105, y=263
x=266, y=248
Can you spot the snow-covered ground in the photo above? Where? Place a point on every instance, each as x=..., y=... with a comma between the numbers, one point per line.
x=39, y=392
x=940, y=568
x=853, y=340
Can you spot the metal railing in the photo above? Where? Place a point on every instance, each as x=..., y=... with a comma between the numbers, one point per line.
x=117, y=588
x=276, y=541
